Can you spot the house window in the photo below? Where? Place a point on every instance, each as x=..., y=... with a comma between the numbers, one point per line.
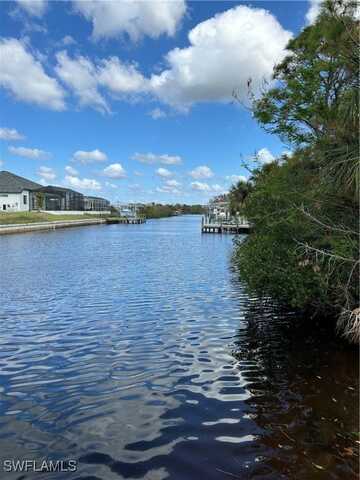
x=4, y=207
x=25, y=200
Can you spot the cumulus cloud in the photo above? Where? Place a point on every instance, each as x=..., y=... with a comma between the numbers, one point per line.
x=225, y=51
x=236, y=178
x=68, y=40
x=85, y=78
x=10, y=134
x=115, y=170
x=71, y=171
x=111, y=19
x=164, y=172
x=218, y=188
x=23, y=76
x=314, y=10
x=111, y=185
x=119, y=77
x=170, y=186
x=173, y=183
x=36, y=8
x=201, y=172
x=33, y=153
x=206, y=188
x=92, y=156
x=157, y=113
x=80, y=75
x=82, y=183
x=200, y=186
x=46, y=173
x=264, y=156
x=151, y=158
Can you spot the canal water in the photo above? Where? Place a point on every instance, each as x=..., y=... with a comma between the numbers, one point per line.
x=136, y=352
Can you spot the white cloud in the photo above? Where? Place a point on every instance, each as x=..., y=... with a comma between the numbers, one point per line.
x=200, y=186
x=316, y=5
x=157, y=113
x=111, y=185
x=206, y=188
x=10, y=134
x=46, y=173
x=71, y=171
x=225, y=51
x=115, y=170
x=113, y=18
x=236, y=178
x=81, y=76
x=170, y=186
x=120, y=78
x=35, y=8
x=25, y=78
x=33, y=153
x=314, y=10
x=201, y=172
x=164, y=172
x=172, y=183
x=89, y=157
x=82, y=183
x=68, y=40
x=151, y=158
x=264, y=156
x=218, y=188
x=1, y=163
x=85, y=77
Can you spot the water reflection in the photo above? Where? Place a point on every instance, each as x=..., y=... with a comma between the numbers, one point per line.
x=304, y=395
x=137, y=352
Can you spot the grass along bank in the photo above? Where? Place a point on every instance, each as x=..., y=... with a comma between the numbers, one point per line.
x=17, y=218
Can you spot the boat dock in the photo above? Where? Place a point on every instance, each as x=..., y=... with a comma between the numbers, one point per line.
x=125, y=220
x=219, y=219
x=225, y=228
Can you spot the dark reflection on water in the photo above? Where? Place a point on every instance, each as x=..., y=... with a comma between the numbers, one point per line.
x=136, y=351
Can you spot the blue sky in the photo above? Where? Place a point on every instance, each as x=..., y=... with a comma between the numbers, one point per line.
x=133, y=100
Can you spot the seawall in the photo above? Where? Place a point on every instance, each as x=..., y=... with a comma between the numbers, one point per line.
x=32, y=227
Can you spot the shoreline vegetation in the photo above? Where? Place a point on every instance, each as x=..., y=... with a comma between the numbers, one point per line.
x=157, y=210
x=304, y=206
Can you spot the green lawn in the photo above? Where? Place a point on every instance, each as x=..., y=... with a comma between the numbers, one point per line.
x=33, y=217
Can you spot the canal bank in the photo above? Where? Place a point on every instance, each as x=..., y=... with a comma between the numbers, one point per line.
x=54, y=225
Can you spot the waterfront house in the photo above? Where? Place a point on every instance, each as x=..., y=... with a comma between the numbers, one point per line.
x=97, y=204
x=16, y=193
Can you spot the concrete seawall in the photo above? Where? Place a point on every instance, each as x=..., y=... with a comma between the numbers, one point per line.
x=32, y=227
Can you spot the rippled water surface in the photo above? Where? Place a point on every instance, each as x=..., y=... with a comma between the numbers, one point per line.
x=135, y=351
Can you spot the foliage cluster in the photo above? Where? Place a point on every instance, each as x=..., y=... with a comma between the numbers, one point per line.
x=304, y=207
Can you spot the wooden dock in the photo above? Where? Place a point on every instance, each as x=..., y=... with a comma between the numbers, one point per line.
x=126, y=221
x=211, y=225
x=225, y=228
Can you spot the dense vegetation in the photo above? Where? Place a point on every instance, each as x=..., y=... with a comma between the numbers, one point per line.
x=157, y=210
x=304, y=206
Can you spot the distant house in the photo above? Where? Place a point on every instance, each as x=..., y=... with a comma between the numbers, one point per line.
x=16, y=193
x=58, y=198
x=96, y=204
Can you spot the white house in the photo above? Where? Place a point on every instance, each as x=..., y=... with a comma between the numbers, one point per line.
x=16, y=193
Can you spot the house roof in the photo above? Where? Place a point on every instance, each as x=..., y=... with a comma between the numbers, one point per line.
x=11, y=183
x=55, y=189
x=89, y=197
